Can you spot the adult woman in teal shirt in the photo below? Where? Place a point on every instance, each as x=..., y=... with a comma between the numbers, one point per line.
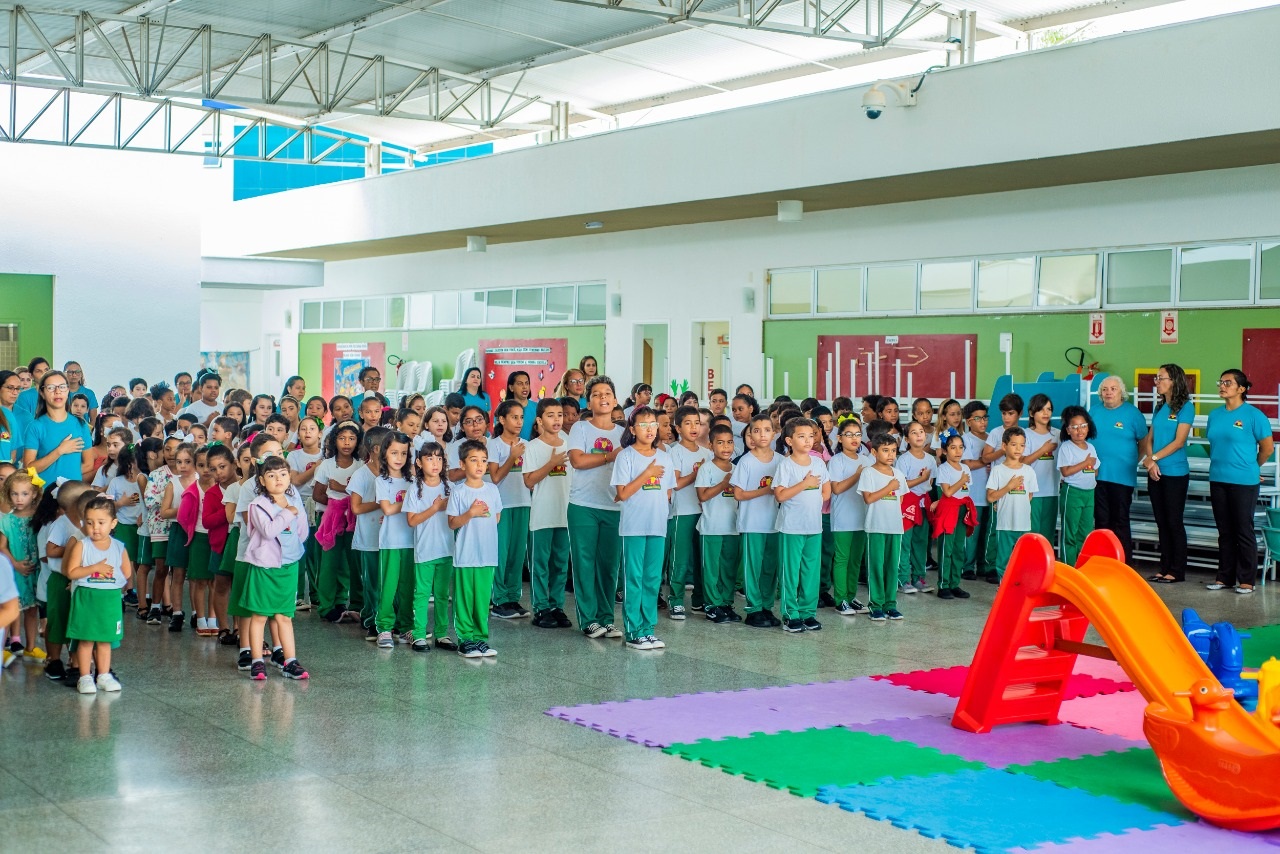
x=57, y=442
x=1239, y=443
x=13, y=430
x=1121, y=428
x=1168, y=472
x=473, y=392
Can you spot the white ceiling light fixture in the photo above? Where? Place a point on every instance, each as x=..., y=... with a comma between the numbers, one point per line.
x=790, y=210
x=477, y=243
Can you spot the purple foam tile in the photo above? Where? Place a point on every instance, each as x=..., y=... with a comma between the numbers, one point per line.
x=1163, y=840
x=664, y=721
x=1015, y=744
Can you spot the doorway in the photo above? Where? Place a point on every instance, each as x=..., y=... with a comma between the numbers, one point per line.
x=651, y=354
x=711, y=356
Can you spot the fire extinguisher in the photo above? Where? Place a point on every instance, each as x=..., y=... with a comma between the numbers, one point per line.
x=1086, y=372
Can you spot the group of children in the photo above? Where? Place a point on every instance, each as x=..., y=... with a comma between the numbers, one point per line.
x=392, y=520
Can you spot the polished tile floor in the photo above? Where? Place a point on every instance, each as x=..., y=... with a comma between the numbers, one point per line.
x=391, y=751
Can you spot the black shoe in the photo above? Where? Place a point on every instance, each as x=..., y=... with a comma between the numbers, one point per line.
x=226, y=637
x=562, y=619
x=245, y=661
x=969, y=575
x=502, y=612
x=544, y=620
x=993, y=579
x=175, y=622
x=193, y=620
x=957, y=593
x=773, y=619
x=54, y=669
x=277, y=658
x=734, y=616
x=334, y=614
x=794, y=626
x=16, y=647
x=718, y=615
x=519, y=611
x=295, y=670
x=155, y=617
x=617, y=597
x=825, y=600
x=758, y=620
x=945, y=593
x=446, y=642
x=71, y=676
x=812, y=625
x=662, y=603
x=131, y=598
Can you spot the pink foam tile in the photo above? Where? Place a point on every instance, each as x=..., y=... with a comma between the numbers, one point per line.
x=1103, y=668
x=1116, y=714
x=950, y=681
x=1190, y=837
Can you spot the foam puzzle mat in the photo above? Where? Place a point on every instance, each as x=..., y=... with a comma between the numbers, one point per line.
x=884, y=746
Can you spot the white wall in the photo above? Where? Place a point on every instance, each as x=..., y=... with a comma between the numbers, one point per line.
x=120, y=234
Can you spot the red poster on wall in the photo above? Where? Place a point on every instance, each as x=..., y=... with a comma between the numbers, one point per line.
x=340, y=366
x=1260, y=366
x=542, y=358
x=899, y=366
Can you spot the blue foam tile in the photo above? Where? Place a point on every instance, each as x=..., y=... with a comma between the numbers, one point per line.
x=992, y=810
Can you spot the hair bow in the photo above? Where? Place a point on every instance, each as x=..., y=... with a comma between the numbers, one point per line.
x=213, y=443
x=35, y=478
x=181, y=437
x=57, y=484
x=947, y=434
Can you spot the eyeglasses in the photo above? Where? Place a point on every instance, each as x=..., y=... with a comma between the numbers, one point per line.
x=473, y=421
x=574, y=382
x=1226, y=383
x=1077, y=426
x=372, y=379
x=979, y=418
x=1161, y=379
x=649, y=424
x=59, y=387
x=12, y=388
x=850, y=434
x=75, y=373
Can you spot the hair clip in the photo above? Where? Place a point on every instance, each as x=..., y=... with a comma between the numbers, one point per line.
x=35, y=478
x=947, y=434
x=214, y=442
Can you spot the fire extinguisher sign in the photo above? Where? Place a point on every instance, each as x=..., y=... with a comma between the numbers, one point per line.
x=1097, y=328
x=1168, y=327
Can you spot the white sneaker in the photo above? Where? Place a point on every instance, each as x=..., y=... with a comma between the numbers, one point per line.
x=487, y=651
x=907, y=589
x=302, y=605
x=1242, y=590
x=612, y=631
x=86, y=686
x=924, y=586
x=640, y=643
x=385, y=641
x=594, y=630
x=1215, y=585
x=676, y=612
x=655, y=643
x=107, y=682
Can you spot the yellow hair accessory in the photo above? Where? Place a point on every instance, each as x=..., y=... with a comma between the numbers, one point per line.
x=35, y=478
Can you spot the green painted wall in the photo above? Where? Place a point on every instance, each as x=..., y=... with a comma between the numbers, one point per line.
x=442, y=346
x=28, y=301
x=1208, y=339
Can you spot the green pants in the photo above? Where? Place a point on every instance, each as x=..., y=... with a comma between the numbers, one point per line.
x=338, y=566
x=685, y=563
x=1005, y=541
x=58, y=608
x=1044, y=516
x=595, y=548
x=471, y=588
x=239, y=571
x=513, y=548
x=309, y=568
x=850, y=546
x=883, y=554
x=828, y=554
x=952, y=553
x=395, y=581
x=370, y=579
x=801, y=559
x=432, y=578
x=915, y=550
x=1077, y=520
x=720, y=562
x=979, y=551
x=759, y=570
x=549, y=567
x=642, y=569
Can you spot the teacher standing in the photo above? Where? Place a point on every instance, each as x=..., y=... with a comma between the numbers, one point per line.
x=1168, y=472
x=1121, y=428
x=57, y=443
x=1239, y=443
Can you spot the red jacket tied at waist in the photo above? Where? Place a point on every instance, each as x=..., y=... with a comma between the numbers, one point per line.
x=210, y=512
x=945, y=514
x=914, y=508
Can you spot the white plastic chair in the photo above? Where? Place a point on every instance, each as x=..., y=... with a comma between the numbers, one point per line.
x=436, y=398
x=466, y=359
x=407, y=376
x=423, y=374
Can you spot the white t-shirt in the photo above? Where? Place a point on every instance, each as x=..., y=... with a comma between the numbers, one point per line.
x=756, y=515
x=200, y=526
x=120, y=487
x=329, y=470
x=113, y=554
x=883, y=516
x=739, y=444
x=912, y=467
x=1045, y=467
x=550, y=500
x=1013, y=511
x=60, y=533
x=848, y=509
x=512, y=489
x=432, y=539
x=591, y=487
x=802, y=513
x=231, y=495
x=103, y=475
x=248, y=492
x=477, y=543
x=395, y=532
x=948, y=476
x=995, y=441
x=1070, y=455
x=644, y=514
x=977, y=477
x=453, y=460
x=685, y=501
x=364, y=484
x=301, y=461
x=720, y=513
x=200, y=410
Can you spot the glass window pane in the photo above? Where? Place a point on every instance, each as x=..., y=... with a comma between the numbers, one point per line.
x=840, y=291
x=311, y=315
x=891, y=288
x=946, y=285
x=1140, y=277
x=791, y=292
x=1216, y=273
x=591, y=303
x=420, y=311
x=560, y=304
x=396, y=312
x=375, y=313
x=529, y=305
x=352, y=314
x=332, y=315
x=1006, y=282
x=471, y=308
x=1270, y=271
x=500, y=307
x=445, y=308
x=1068, y=280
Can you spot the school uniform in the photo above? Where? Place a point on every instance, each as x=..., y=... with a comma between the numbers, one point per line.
x=432, y=559
x=227, y=560
x=1044, y=502
x=203, y=521
x=276, y=543
x=884, y=536
x=718, y=536
x=684, y=559
x=299, y=461
x=799, y=525
x=757, y=527
x=848, y=525
x=240, y=566
x=513, y=527
x=338, y=581
x=1077, y=498
x=593, y=518
x=548, y=525
x=643, y=530
x=58, y=587
x=475, y=558
x=95, y=598
x=1013, y=511
x=952, y=549
x=979, y=555
x=915, y=540
x=395, y=560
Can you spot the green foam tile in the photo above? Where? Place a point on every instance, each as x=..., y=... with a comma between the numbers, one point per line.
x=803, y=762
x=1262, y=643
x=1131, y=776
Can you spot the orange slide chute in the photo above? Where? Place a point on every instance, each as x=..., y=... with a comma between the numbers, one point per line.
x=1220, y=761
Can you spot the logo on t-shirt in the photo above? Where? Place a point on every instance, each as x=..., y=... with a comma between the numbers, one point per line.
x=558, y=471
x=698, y=465
x=1046, y=457
x=892, y=496
x=652, y=482
x=312, y=465
x=1173, y=416
x=1119, y=425
x=603, y=445
x=519, y=465
x=107, y=574
x=766, y=482
x=1017, y=492
x=1239, y=425
x=727, y=493
x=400, y=496
x=1089, y=470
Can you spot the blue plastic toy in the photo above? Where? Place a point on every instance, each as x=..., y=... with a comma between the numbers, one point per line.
x=1220, y=648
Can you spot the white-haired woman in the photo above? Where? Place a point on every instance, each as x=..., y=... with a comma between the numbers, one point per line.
x=1121, y=431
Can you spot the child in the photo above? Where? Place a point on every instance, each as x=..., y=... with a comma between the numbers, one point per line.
x=454, y=403
x=848, y=515
x=950, y=417
x=338, y=584
x=53, y=529
x=718, y=527
x=204, y=522
x=363, y=488
x=922, y=414
x=881, y=487
x=1078, y=464
x=506, y=471
x=226, y=475
x=18, y=546
x=99, y=569
x=1010, y=411
x=291, y=409
x=475, y=509
x=920, y=467
x=176, y=554
x=684, y=564
x=952, y=516
x=752, y=484
x=409, y=422
x=592, y=514
x=743, y=409
x=547, y=473
x=1008, y=489
x=277, y=529
x=1042, y=447
x=156, y=459
x=238, y=512
x=437, y=427
x=979, y=551
x=572, y=411
x=643, y=477
x=370, y=413
x=425, y=510
x=116, y=440
x=395, y=544
x=302, y=469
x=801, y=485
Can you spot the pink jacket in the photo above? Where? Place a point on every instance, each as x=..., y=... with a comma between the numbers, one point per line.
x=337, y=520
x=264, y=530
x=211, y=512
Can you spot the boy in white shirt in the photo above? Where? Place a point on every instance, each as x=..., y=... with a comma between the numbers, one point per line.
x=1009, y=488
x=882, y=487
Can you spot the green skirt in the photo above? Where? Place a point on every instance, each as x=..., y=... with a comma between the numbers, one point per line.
x=128, y=534
x=199, y=558
x=224, y=563
x=144, y=550
x=95, y=615
x=269, y=591
x=176, y=551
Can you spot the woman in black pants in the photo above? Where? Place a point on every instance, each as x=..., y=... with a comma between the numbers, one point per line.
x=1168, y=471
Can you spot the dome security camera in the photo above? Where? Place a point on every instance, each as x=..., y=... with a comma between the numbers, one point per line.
x=876, y=99
x=874, y=102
